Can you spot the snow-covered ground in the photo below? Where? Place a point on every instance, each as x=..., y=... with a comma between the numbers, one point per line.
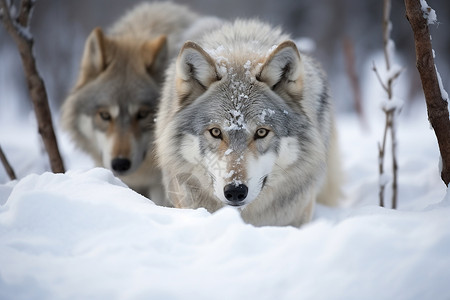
x=85, y=235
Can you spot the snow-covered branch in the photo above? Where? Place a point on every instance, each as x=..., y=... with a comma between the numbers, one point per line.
x=390, y=107
x=428, y=13
x=26, y=10
x=420, y=15
x=18, y=28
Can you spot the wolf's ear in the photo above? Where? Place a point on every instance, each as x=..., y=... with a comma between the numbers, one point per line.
x=282, y=66
x=155, y=55
x=93, y=61
x=195, y=71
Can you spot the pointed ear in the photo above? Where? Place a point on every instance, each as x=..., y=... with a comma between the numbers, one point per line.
x=93, y=61
x=282, y=66
x=155, y=55
x=195, y=70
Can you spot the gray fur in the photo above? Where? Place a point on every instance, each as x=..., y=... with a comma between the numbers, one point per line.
x=257, y=80
x=121, y=74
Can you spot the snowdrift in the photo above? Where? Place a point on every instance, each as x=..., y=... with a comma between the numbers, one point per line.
x=85, y=235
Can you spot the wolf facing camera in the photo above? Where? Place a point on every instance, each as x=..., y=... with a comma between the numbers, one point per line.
x=111, y=110
x=246, y=121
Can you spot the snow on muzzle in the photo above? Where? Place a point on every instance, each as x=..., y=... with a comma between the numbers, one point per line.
x=237, y=190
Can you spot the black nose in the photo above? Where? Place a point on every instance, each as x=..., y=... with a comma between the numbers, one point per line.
x=235, y=193
x=121, y=164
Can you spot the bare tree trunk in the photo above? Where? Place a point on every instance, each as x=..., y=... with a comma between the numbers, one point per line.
x=437, y=108
x=8, y=168
x=19, y=31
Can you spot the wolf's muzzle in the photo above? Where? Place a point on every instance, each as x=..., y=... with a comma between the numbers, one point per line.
x=235, y=194
x=120, y=165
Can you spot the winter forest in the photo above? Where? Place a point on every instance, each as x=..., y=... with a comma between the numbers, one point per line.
x=85, y=235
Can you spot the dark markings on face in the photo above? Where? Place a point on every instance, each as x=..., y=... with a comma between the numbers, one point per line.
x=283, y=118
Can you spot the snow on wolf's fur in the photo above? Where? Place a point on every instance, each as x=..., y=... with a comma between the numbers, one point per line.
x=233, y=98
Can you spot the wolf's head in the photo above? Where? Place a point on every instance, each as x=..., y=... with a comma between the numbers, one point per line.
x=110, y=113
x=240, y=116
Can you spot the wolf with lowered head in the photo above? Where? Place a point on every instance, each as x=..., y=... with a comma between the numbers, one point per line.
x=246, y=120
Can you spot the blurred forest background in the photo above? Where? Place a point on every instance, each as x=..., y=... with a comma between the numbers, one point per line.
x=61, y=27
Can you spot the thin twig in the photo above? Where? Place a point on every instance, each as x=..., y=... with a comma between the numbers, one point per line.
x=7, y=166
x=394, y=163
x=386, y=32
x=390, y=113
x=374, y=68
x=26, y=7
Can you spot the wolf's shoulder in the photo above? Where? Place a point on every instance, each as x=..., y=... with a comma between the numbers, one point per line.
x=155, y=18
x=249, y=33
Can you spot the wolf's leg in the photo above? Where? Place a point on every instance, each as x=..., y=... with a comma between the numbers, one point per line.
x=305, y=209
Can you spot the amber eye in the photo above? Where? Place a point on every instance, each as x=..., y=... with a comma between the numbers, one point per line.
x=216, y=133
x=142, y=114
x=104, y=115
x=261, y=133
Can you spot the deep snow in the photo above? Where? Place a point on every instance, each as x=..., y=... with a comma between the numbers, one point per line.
x=85, y=235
